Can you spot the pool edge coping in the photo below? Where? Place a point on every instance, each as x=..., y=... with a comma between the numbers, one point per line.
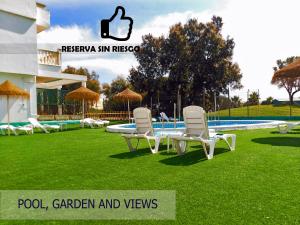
x=271, y=124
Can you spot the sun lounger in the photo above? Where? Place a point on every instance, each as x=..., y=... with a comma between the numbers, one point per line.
x=44, y=127
x=287, y=127
x=92, y=123
x=105, y=122
x=144, y=130
x=164, y=117
x=27, y=129
x=197, y=130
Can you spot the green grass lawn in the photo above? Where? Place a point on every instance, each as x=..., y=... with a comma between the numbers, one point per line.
x=261, y=110
x=259, y=183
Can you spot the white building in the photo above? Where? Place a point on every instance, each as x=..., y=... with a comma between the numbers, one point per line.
x=22, y=62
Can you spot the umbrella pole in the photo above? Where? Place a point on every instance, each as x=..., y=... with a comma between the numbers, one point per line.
x=128, y=110
x=7, y=101
x=82, y=108
x=174, y=115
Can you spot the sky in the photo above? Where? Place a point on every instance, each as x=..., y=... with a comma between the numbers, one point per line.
x=263, y=30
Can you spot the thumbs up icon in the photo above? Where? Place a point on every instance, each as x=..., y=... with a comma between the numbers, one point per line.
x=123, y=23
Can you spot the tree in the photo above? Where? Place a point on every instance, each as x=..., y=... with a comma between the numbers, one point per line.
x=268, y=101
x=106, y=90
x=223, y=102
x=253, y=98
x=92, y=83
x=117, y=85
x=174, y=59
x=146, y=77
x=92, y=79
x=110, y=90
x=188, y=66
x=236, y=101
x=291, y=85
x=211, y=63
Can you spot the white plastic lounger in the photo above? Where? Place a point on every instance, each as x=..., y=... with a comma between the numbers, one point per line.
x=144, y=130
x=43, y=127
x=164, y=117
x=27, y=129
x=287, y=127
x=197, y=130
x=92, y=123
x=105, y=122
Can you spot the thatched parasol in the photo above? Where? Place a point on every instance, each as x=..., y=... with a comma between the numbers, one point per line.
x=290, y=71
x=83, y=94
x=128, y=95
x=8, y=89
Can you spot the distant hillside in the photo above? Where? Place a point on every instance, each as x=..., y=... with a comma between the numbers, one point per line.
x=261, y=110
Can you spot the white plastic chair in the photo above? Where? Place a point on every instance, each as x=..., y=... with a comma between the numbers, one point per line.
x=43, y=127
x=144, y=130
x=27, y=129
x=92, y=123
x=164, y=117
x=197, y=130
x=105, y=122
x=287, y=127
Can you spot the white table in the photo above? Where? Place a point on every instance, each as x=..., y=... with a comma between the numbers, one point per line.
x=167, y=134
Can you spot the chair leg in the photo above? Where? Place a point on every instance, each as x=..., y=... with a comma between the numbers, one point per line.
x=13, y=131
x=180, y=146
x=156, y=145
x=168, y=144
x=183, y=146
x=177, y=147
x=128, y=141
x=211, y=145
x=233, y=141
x=45, y=130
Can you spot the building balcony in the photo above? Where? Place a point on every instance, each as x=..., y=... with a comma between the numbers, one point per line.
x=50, y=74
x=42, y=18
x=50, y=58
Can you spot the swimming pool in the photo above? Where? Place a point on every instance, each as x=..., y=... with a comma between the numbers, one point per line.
x=214, y=124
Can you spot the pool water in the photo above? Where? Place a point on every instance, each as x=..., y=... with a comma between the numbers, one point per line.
x=210, y=123
x=218, y=125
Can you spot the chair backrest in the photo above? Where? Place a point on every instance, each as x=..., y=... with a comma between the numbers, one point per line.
x=34, y=122
x=195, y=121
x=164, y=116
x=143, y=120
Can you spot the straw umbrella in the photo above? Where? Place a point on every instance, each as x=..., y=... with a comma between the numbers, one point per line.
x=128, y=95
x=8, y=89
x=291, y=71
x=83, y=94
